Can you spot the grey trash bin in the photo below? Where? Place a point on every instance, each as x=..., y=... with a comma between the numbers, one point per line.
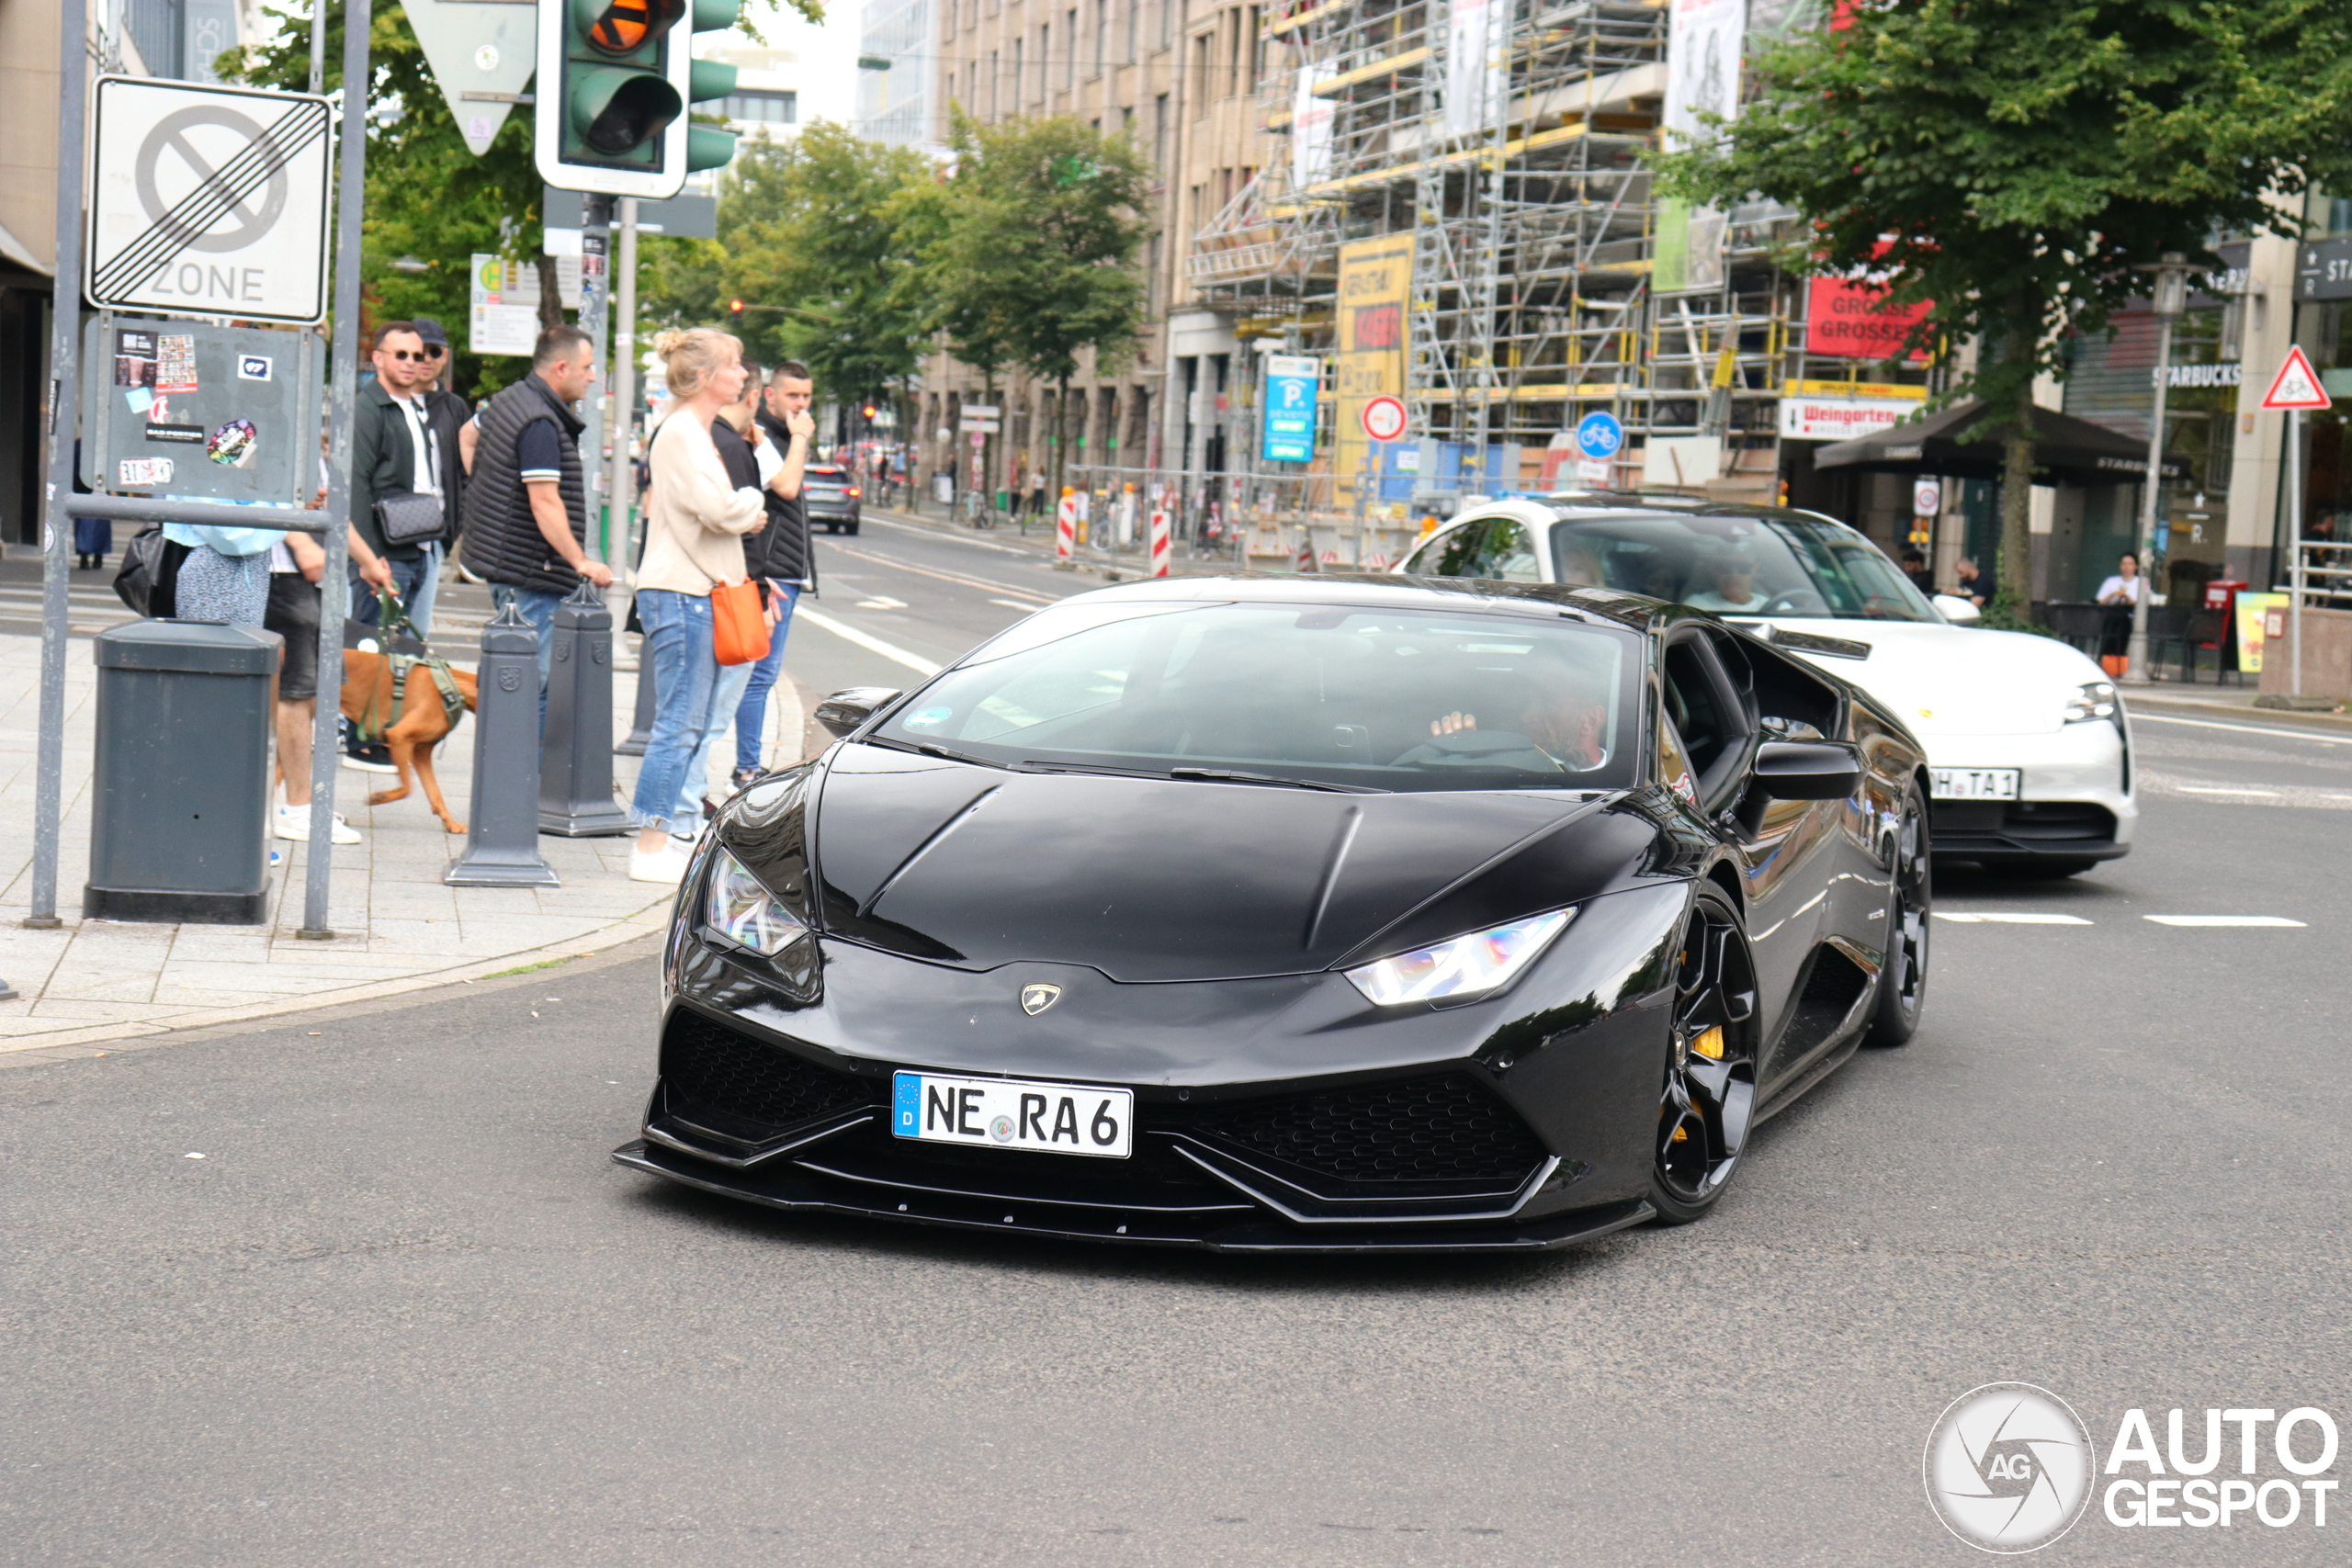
x=180, y=805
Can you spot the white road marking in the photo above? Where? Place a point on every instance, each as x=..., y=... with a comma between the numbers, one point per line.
x=950, y=538
x=2138, y=717
x=872, y=644
x=2223, y=921
x=1013, y=604
x=881, y=601
x=2225, y=789
x=2020, y=919
x=956, y=576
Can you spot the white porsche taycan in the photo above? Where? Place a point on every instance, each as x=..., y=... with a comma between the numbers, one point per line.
x=2026, y=738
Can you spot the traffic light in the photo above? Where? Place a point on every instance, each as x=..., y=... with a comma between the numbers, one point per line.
x=869, y=411
x=734, y=313
x=614, y=78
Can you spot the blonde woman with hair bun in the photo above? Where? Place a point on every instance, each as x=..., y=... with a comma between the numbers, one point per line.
x=695, y=520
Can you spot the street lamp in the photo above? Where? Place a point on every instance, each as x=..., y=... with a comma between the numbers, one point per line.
x=2170, y=296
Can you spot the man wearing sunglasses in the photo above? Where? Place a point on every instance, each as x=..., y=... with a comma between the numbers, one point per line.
x=395, y=456
x=448, y=414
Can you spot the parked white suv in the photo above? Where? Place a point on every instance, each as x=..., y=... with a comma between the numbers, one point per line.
x=2026, y=738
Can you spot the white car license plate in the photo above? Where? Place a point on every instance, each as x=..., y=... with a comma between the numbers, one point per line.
x=1006, y=1113
x=1976, y=783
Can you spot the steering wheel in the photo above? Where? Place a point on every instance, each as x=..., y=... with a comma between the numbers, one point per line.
x=1796, y=600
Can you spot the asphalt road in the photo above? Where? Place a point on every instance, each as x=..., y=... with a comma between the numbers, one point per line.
x=402, y=1311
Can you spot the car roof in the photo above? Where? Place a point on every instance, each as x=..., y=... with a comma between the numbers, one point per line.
x=1571, y=504
x=1388, y=590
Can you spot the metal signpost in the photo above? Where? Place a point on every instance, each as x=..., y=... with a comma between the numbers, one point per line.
x=211, y=201
x=2170, y=296
x=2294, y=389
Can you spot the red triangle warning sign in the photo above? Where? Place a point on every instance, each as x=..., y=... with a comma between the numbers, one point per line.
x=2296, y=385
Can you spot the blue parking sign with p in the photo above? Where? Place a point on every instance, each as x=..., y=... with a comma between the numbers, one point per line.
x=1289, y=414
x=1600, y=435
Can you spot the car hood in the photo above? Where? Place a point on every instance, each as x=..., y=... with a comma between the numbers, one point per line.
x=1168, y=880
x=1946, y=679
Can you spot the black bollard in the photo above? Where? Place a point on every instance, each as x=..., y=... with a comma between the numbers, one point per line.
x=642, y=722
x=576, y=753
x=502, y=840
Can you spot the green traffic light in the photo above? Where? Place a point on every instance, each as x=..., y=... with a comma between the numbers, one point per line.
x=616, y=110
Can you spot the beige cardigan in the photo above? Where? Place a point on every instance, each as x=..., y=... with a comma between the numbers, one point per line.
x=695, y=518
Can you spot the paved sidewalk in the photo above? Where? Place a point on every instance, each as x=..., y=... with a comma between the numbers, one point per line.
x=398, y=926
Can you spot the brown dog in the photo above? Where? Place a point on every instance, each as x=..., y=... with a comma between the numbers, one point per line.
x=424, y=722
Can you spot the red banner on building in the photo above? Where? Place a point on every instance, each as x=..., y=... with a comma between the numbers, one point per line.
x=1851, y=321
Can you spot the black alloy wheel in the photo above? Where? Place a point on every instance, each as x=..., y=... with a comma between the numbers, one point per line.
x=1709, y=1101
x=1903, y=979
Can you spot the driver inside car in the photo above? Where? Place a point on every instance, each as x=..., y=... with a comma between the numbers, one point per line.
x=1735, y=590
x=1566, y=717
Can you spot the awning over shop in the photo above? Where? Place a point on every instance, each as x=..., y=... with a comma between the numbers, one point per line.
x=2066, y=451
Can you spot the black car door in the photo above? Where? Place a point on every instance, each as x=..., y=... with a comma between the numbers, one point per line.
x=1785, y=848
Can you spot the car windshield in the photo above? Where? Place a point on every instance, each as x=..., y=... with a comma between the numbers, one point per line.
x=1739, y=566
x=1329, y=696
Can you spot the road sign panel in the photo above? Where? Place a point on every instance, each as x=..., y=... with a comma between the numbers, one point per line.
x=2297, y=385
x=1288, y=432
x=980, y=410
x=1600, y=435
x=1383, y=418
x=208, y=200
x=481, y=57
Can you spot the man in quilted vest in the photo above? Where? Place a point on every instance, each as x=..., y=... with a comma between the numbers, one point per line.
x=527, y=509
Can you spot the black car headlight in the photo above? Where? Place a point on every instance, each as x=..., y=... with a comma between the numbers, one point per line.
x=1460, y=968
x=738, y=906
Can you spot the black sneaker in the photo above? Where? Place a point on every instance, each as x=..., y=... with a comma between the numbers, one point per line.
x=370, y=757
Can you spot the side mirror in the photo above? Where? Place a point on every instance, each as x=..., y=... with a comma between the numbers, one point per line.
x=844, y=711
x=1960, y=612
x=1807, y=770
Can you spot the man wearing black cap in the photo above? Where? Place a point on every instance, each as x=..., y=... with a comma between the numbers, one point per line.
x=446, y=413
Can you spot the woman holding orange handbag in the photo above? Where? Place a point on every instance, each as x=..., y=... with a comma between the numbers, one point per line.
x=690, y=587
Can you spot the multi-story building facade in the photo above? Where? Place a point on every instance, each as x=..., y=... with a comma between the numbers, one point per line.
x=897, y=96
x=1131, y=67
x=1448, y=201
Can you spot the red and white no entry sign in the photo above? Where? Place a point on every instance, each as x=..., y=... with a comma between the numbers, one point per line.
x=1384, y=419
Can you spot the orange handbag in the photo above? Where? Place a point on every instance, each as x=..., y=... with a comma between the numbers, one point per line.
x=739, y=623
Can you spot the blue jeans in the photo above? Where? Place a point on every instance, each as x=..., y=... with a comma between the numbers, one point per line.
x=751, y=712
x=726, y=697
x=685, y=679
x=418, y=582
x=539, y=608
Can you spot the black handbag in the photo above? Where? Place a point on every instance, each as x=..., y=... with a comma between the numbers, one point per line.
x=410, y=518
x=135, y=581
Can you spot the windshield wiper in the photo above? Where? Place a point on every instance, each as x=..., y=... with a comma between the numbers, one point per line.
x=1227, y=775
x=933, y=749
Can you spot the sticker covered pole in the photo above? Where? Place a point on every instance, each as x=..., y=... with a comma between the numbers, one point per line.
x=64, y=398
x=351, y=182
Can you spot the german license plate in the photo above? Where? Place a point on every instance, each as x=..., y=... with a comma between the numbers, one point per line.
x=1006, y=1114
x=1976, y=783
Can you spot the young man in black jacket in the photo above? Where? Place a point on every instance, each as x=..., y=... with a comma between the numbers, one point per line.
x=396, y=451
x=786, y=562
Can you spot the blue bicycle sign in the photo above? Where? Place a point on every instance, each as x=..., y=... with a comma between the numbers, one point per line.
x=1600, y=435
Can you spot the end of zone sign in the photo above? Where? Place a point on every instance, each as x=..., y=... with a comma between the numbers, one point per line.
x=208, y=200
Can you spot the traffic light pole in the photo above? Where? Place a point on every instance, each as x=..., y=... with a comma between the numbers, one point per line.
x=619, y=485
x=595, y=231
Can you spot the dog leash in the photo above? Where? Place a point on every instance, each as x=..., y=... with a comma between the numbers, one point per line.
x=392, y=616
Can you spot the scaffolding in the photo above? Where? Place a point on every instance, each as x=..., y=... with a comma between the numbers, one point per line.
x=1508, y=138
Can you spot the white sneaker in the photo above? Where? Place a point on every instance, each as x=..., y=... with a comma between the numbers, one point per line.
x=294, y=822
x=666, y=865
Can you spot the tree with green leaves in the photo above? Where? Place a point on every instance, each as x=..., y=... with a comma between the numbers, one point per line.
x=2012, y=163
x=1034, y=256
x=428, y=197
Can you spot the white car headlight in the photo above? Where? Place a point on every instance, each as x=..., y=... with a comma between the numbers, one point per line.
x=739, y=906
x=1464, y=967
x=2093, y=700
